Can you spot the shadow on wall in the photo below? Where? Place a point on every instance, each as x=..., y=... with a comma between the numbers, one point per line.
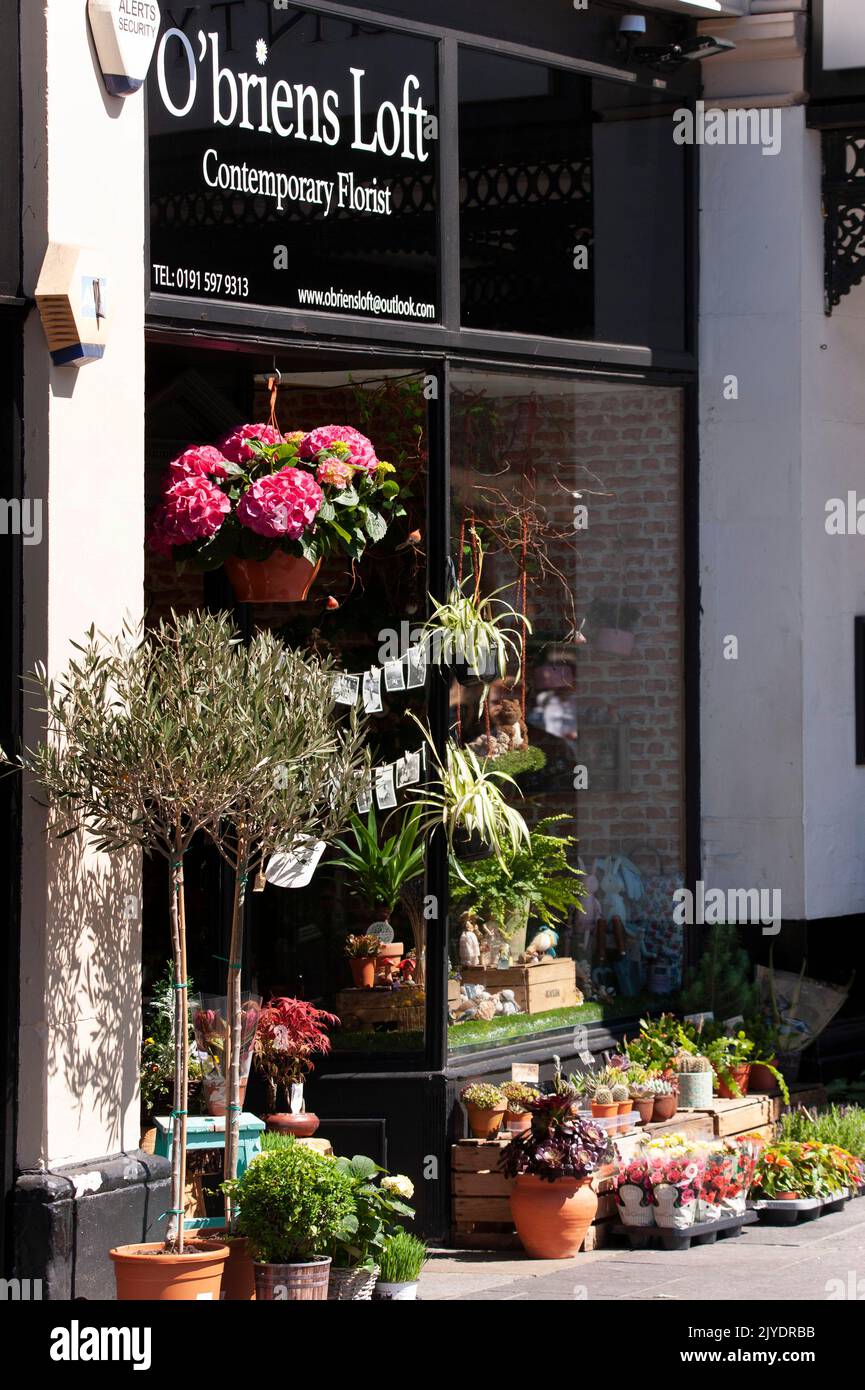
x=92, y=979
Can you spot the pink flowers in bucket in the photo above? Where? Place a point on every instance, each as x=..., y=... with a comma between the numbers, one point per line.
x=306, y=494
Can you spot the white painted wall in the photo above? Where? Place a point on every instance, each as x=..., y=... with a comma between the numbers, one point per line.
x=84, y=456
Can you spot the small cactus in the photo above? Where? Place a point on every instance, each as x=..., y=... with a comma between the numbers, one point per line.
x=603, y=1096
x=619, y=1093
x=692, y=1062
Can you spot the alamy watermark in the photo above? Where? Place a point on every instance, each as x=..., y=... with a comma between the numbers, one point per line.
x=710, y=907
x=736, y=126
x=22, y=516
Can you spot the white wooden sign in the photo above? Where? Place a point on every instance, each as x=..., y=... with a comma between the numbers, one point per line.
x=125, y=34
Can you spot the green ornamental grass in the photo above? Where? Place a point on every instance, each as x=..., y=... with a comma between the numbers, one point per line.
x=402, y=1259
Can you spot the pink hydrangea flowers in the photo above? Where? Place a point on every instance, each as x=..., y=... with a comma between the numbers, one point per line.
x=334, y=473
x=361, y=453
x=203, y=461
x=235, y=446
x=281, y=504
x=192, y=509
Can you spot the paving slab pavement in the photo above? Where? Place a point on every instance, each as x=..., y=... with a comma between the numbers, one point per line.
x=764, y=1263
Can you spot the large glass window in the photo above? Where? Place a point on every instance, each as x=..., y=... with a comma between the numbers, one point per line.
x=572, y=491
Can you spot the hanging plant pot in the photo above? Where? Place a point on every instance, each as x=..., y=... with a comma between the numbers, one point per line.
x=280, y=578
x=552, y=1217
x=145, y=1272
x=615, y=641
x=293, y=1283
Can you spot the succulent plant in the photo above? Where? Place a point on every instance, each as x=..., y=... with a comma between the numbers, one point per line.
x=518, y=1096
x=641, y=1090
x=603, y=1095
x=484, y=1096
x=692, y=1062
x=619, y=1093
x=659, y=1087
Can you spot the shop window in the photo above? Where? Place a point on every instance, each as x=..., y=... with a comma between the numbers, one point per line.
x=569, y=188
x=296, y=937
x=572, y=490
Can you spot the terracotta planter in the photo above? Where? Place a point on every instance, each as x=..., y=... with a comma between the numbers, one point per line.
x=484, y=1124
x=280, y=578
x=518, y=1124
x=302, y=1126
x=604, y=1112
x=788, y=1197
x=304, y=1282
x=624, y=1107
x=238, y=1276
x=646, y=1109
x=761, y=1079
x=552, y=1217
x=363, y=971
x=614, y=641
x=664, y=1107
x=144, y=1274
x=740, y=1075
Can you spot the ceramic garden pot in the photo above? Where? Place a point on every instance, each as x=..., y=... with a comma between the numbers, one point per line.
x=363, y=970
x=304, y=1282
x=664, y=1108
x=302, y=1126
x=390, y=1293
x=646, y=1109
x=280, y=578
x=552, y=1217
x=143, y=1273
x=484, y=1124
x=518, y=1124
x=604, y=1112
x=238, y=1275
x=761, y=1079
x=695, y=1090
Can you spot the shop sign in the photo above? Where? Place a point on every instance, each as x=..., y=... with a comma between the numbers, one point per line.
x=292, y=162
x=125, y=33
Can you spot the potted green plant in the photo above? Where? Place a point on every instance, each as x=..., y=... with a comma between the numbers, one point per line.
x=696, y=1075
x=290, y=1033
x=469, y=631
x=613, y=622
x=659, y=1041
x=766, y=1064
x=380, y=1201
x=485, y=1107
x=535, y=881
x=552, y=1164
x=142, y=752
x=294, y=1205
x=362, y=952
x=731, y=1058
x=381, y=869
x=518, y=1117
x=401, y=1263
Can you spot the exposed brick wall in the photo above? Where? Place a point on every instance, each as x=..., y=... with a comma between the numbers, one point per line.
x=621, y=448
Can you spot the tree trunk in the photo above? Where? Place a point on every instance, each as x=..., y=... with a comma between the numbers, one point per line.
x=174, y=1234
x=234, y=997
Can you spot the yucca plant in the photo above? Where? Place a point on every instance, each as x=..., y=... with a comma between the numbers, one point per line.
x=380, y=869
x=473, y=627
x=469, y=799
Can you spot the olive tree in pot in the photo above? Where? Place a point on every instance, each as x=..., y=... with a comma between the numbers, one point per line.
x=142, y=751
x=294, y=1206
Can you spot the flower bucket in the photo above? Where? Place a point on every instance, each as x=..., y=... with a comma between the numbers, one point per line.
x=304, y=1282
x=670, y=1211
x=393, y=1293
x=710, y=1211
x=351, y=1285
x=552, y=1217
x=280, y=578
x=144, y=1273
x=634, y=1205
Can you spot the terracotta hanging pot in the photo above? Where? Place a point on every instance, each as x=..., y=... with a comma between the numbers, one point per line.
x=143, y=1272
x=280, y=578
x=552, y=1217
x=363, y=970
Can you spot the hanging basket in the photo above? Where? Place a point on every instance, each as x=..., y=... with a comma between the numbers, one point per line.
x=280, y=578
x=352, y=1285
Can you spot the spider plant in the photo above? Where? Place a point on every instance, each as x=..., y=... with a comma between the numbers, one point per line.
x=469, y=798
x=468, y=628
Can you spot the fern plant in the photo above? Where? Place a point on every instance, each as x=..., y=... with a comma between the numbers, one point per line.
x=537, y=876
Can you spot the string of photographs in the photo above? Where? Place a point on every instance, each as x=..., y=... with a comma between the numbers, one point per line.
x=388, y=779
x=407, y=672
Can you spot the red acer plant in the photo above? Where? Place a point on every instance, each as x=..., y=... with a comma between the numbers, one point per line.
x=290, y=1033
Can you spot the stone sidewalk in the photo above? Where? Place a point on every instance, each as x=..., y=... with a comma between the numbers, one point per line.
x=796, y=1263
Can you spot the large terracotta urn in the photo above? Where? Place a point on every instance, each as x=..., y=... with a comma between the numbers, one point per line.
x=552, y=1217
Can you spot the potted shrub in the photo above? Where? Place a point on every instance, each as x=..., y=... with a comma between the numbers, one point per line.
x=270, y=507
x=379, y=1202
x=535, y=881
x=401, y=1261
x=613, y=623
x=294, y=1204
x=381, y=871
x=362, y=952
x=659, y=1041
x=552, y=1164
x=696, y=1076
x=467, y=633
x=518, y=1117
x=290, y=1033
x=730, y=1057
x=485, y=1107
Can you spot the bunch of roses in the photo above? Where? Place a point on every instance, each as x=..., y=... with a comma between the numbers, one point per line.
x=721, y=1175
x=635, y=1174
x=681, y=1168
x=279, y=505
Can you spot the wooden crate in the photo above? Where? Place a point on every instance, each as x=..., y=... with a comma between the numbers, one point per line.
x=369, y=1008
x=453, y=995
x=480, y=1199
x=549, y=985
